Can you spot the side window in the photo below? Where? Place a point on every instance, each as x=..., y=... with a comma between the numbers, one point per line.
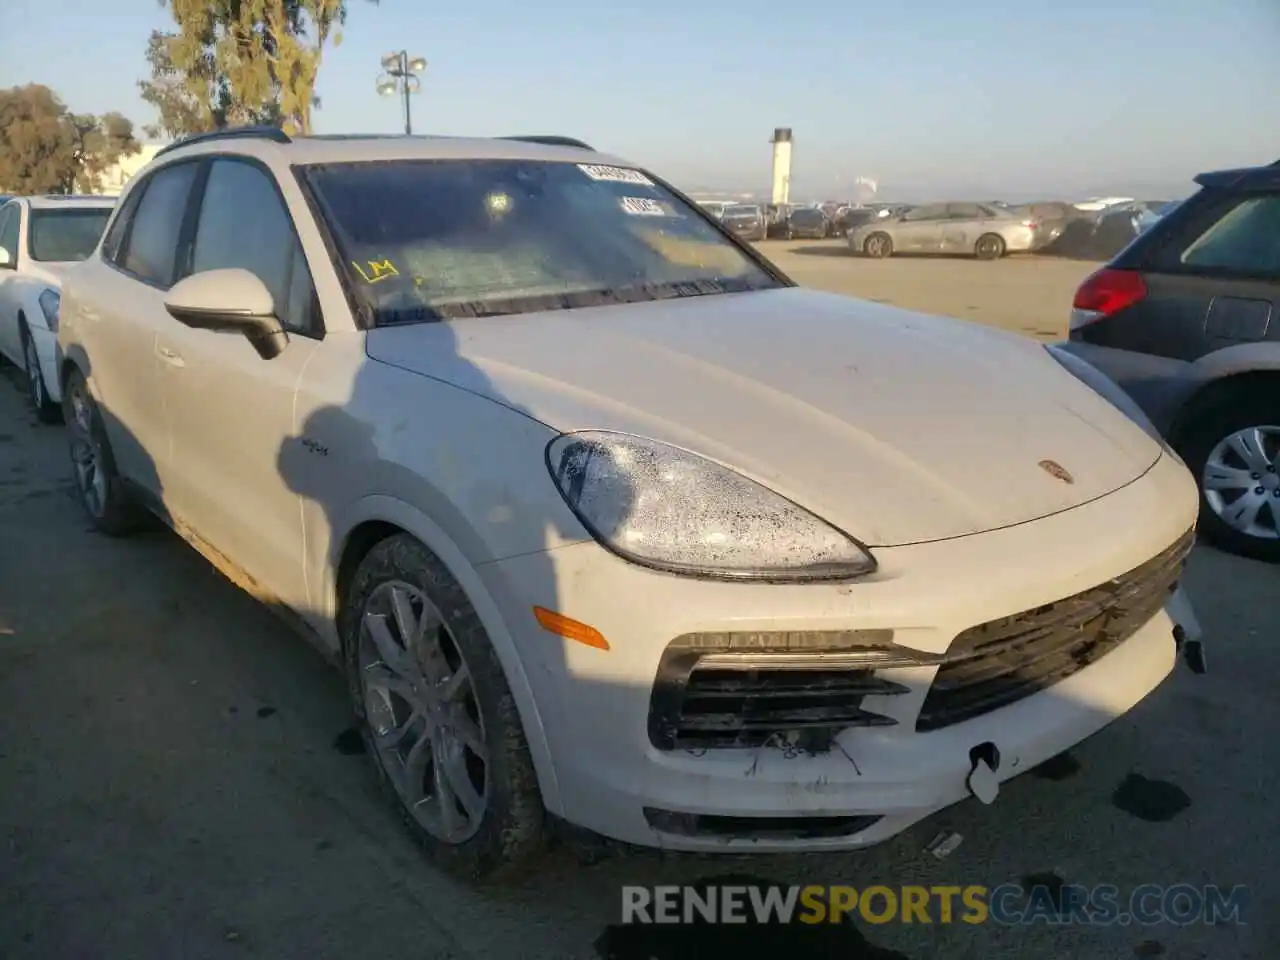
x=10, y=218
x=934, y=211
x=153, y=241
x=964, y=211
x=113, y=244
x=1244, y=240
x=244, y=223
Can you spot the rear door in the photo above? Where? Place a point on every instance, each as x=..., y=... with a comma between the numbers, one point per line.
x=118, y=300
x=1212, y=272
x=964, y=223
x=920, y=230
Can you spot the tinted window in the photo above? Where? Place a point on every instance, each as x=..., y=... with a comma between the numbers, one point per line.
x=935, y=211
x=446, y=238
x=1245, y=240
x=9, y=221
x=965, y=211
x=153, y=241
x=244, y=223
x=111, y=246
x=63, y=236
x=808, y=217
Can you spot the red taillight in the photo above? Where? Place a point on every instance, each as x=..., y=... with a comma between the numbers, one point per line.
x=1109, y=291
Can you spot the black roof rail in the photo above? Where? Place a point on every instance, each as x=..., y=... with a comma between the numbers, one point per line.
x=551, y=140
x=261, y=132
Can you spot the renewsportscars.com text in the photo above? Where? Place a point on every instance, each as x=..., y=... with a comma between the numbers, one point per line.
x=1009, y=904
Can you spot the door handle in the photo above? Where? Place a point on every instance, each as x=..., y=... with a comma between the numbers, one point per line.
x=170, y=357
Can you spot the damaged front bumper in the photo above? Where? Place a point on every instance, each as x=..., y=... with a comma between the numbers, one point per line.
x=599, y=765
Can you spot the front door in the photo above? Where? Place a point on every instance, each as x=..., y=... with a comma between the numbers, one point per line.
x=230, y=411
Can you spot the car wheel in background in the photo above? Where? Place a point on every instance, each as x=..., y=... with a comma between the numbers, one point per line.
x=990, y=246
x=878, y=245
x=46, y=410
x=102, y=492
x=437, y=716
x=1232, y=446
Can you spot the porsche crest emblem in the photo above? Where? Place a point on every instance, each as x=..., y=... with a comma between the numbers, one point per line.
x=1057, y=471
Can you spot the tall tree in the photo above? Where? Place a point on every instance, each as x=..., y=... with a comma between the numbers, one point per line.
x=231, y=62
x=44, y=148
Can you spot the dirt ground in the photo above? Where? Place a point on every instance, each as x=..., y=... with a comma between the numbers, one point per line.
x=178, y=780
x=1030, y=295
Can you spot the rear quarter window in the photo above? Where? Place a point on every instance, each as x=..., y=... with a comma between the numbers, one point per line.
x=1244, y=239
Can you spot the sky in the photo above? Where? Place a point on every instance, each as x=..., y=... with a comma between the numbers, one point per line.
x=1009, y=99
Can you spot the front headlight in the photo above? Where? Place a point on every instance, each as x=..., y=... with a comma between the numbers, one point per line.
x=663, y=507
x=50, y=306
x=1105, y=387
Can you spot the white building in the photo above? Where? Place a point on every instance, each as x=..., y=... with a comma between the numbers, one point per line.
x=117, y=175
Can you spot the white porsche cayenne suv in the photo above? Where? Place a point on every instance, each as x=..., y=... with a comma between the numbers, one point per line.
x=607, y=520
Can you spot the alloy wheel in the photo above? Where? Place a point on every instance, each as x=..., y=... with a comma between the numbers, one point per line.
x=1241, y=481
x=35, y=382
x=423, y=712
x=86, y=454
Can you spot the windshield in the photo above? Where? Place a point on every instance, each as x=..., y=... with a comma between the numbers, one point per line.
x=807, y=216
x=61, y=236
x=443, y=239
x=742, y=211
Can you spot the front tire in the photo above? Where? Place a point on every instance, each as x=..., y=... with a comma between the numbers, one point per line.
x=990, y=246
x=1232, y=446
x=101, y=489
x=46, y=410
x=878, y=246
x=437, y=716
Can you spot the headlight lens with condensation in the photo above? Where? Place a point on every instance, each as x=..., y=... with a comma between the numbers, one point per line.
x=661, y=506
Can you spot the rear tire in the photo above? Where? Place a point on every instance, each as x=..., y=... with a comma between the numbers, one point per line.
x=878, y=246
x=1228, y=481
x=990, y=246
x=484, y=820
x=46, y=410
x=101, y=490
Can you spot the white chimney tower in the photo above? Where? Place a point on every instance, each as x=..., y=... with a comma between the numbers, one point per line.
x=781, y=164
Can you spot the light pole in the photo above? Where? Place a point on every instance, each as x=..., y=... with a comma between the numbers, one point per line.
x=401, y=76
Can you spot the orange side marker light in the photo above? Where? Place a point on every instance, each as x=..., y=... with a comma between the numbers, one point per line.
x=569, y=628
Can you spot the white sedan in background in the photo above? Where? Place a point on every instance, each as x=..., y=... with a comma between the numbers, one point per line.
x=40, y=237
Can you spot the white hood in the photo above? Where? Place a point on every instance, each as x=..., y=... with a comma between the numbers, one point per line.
x=47, y=274
x=897, y=427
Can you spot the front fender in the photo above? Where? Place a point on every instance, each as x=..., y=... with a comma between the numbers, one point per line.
x=416, y=523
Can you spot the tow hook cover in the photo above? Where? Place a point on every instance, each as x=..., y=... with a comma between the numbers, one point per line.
x=982, y=780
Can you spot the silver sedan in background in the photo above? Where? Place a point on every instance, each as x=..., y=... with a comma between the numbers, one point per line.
x=981, y=230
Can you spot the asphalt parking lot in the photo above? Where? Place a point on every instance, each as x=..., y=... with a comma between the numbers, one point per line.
x=179, y=779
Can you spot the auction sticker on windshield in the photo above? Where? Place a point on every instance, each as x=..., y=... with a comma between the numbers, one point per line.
x=645, y=207
x=597, y=171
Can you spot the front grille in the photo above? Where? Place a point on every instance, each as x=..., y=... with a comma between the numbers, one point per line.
x=998, y=663
x=786, y=690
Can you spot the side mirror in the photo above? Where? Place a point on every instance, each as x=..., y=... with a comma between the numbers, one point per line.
x=229, y=301
x=6, y=259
